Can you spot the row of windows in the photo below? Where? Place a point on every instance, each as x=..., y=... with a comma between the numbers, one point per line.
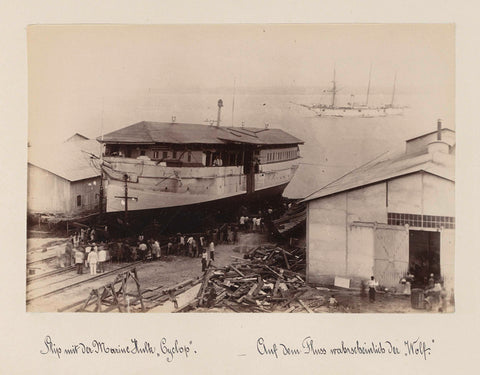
x=161, y=154
x=281, y=155
x=165, y=155
x=425, y=221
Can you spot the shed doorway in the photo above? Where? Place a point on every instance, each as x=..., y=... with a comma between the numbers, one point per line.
x=424, y=255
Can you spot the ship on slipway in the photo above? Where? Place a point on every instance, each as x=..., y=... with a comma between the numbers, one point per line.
x=170, y=165
x=352, y=109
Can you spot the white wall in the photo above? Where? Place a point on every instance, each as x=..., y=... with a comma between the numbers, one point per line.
x=438, y=196
x=367, y=204
x=326, y=239
x=47, y=192
x=422, y=194
x=447, y=257
x=405, y=194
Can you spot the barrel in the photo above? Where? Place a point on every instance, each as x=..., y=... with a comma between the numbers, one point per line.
x=417, y=299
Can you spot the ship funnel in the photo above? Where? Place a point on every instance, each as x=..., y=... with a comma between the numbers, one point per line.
x=220, y=105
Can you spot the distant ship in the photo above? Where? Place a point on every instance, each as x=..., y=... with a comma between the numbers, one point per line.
x=165, y=165
x=352, y=109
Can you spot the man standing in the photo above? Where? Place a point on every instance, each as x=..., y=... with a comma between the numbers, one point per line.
x=190, y=246
x=212, y=251
x=102, y=258
x=88, y=249
x=372, y=284
x=156, y=249
x=93, y=260
x=143, y=250
x=79, y=259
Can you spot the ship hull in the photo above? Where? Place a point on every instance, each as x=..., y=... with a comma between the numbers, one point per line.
x=155, y=187
x=194, y=217
x=358, y=112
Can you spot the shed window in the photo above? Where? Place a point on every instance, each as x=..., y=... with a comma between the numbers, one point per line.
x=174, y=154
x=155, y=154
x=79, y=200
x=165, y=154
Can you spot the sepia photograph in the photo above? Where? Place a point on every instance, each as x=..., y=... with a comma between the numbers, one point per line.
x=241, y=168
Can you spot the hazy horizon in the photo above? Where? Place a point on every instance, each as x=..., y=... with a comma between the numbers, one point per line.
x=94, y=79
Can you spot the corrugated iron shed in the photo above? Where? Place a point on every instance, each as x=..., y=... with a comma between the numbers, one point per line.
x=69, y=160
x=178, y=133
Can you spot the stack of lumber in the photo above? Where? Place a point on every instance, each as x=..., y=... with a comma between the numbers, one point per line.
x=292, y=260
x=266, y=280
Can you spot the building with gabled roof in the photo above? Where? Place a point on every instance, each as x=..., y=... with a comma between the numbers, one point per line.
x=76, y=137
x=62, y=179
x=392, y=215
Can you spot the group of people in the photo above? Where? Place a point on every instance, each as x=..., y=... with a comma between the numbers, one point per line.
x=199, y=246
x=91, y=256
x=248, y=224
x=82, y=251
x=131, y=250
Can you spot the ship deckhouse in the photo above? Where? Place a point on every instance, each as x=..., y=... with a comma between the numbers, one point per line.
x=194, y=163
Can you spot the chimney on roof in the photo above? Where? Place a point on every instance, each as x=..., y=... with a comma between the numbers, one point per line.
x=220, y=105
x=438, y=145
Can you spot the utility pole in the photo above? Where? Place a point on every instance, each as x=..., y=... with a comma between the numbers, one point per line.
x=101, y=192
x=126, y=198
x=125, y=177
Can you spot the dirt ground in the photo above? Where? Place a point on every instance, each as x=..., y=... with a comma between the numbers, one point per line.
x=172, y=270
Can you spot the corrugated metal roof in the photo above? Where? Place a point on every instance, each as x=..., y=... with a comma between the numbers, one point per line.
x=178, y=133
x=443, y=130
x=67, y=160
x=390, y=166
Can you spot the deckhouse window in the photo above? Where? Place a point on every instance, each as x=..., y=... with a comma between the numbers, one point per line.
x=79, y=200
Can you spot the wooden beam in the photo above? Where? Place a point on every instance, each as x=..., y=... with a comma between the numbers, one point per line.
x=304, y=306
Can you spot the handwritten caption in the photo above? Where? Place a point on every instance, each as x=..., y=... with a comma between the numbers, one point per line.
x=168, y=350
x=308, y=347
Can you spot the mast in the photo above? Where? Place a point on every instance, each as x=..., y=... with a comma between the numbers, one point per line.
x=393, y=92
x=101, y=192
x=368, y=87
x=233, y=101
x=334, y=89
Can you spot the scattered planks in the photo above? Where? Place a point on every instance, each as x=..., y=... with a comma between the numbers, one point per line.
x=267, y=279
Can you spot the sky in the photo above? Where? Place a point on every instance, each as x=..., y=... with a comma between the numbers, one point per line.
x=92, y=79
